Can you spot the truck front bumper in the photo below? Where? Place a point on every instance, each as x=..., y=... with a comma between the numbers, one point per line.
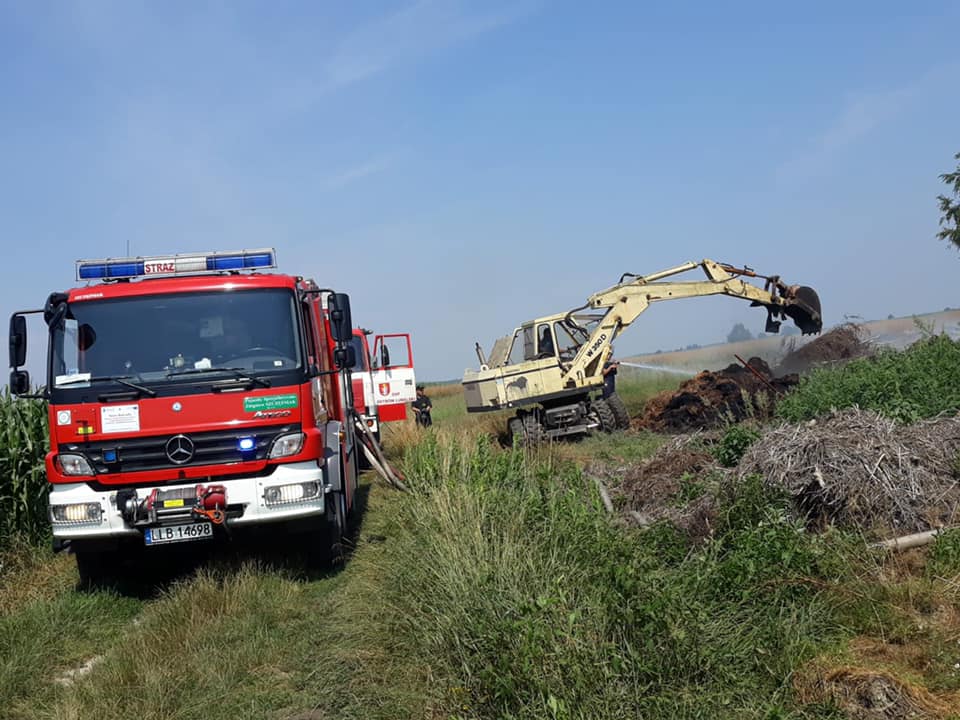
x=248, y=493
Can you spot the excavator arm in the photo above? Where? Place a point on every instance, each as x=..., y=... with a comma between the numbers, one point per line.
x=625, y=302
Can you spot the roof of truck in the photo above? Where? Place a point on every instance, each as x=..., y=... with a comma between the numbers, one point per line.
x=180, y=284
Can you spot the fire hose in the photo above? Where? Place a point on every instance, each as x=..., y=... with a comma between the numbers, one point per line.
x=375, y=456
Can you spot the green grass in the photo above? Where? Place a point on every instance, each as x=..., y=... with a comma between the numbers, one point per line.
x=38, y=644
x=919, y=382
x=222, y=644
x=619, y=447
x=638, y=386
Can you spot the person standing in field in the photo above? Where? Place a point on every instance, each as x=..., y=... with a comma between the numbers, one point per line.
x=422, y=407
x=610, y=376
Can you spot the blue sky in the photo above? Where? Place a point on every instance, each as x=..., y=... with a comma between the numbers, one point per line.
x=460, y=167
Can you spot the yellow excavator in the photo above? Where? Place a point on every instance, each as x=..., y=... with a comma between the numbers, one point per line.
x=550, y=368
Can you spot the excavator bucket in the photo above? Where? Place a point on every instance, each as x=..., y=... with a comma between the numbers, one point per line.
x=804, y=309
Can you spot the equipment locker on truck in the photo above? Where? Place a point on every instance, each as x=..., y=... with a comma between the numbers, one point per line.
x=191, y=396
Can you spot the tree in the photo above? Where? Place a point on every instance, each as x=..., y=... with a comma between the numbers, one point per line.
x=950, y=208
x=739, y=334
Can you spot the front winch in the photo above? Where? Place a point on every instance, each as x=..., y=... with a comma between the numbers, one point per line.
x=174, y=505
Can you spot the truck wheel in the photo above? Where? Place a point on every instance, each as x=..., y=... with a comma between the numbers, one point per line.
x=94, y=568
x=619, y=409
x=106, y=569
x=336, y=527
x=608, y=421
x=532, y=429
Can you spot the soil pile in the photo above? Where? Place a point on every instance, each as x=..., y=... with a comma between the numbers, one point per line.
x=859, y=469
x=844, y=342
x=711, y=399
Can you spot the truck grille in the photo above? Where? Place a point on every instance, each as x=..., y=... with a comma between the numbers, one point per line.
x=154, y=452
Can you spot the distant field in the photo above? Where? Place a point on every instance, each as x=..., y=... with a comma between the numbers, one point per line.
x=898, y=332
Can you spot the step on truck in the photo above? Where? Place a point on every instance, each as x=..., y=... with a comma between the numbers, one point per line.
x=190, y=397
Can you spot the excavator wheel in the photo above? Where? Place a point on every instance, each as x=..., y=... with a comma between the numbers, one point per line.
x=619, y=410
x=608, y=421
x=805, y=310
x=515, y=426
x=532, y=429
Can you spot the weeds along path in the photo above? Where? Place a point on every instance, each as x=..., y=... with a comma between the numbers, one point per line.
x=236, y=638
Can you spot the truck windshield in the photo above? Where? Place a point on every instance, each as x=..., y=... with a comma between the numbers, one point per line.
x=156, y=338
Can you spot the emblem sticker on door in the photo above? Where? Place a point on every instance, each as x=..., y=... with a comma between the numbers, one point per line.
x=270, y=402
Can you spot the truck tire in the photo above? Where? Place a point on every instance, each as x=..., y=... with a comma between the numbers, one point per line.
x=619, y=409
x=107, y=569
x=336, y=524
x=532, y=429
x=608, y=421
x=94, y=568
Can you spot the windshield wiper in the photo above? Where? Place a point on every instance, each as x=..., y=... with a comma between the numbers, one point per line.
x=238, y=373
x=121, y=379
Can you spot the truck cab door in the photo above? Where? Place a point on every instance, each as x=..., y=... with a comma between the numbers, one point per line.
x=360, y=376
x=394, y=382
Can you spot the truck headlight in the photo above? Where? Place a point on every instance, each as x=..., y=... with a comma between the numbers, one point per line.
x=293, y=493
x=76, y=513
x=72, y=464
x=286, y=445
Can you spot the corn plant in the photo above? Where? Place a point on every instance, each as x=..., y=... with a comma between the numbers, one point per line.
x=23, y=484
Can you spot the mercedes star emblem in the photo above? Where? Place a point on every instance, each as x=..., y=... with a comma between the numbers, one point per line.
x=179, y=449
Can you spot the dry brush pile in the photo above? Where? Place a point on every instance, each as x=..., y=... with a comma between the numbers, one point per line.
x=857, y=468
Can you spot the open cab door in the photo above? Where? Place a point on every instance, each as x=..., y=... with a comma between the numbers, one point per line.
x=394, y=383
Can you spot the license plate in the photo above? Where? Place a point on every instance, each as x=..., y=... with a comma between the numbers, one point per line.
x=178, y=533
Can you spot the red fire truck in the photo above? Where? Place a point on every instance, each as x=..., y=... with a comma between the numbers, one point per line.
x=192, y=396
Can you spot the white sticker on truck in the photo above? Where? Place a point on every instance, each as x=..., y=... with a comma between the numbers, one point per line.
x=119, y=418
x=394, y=385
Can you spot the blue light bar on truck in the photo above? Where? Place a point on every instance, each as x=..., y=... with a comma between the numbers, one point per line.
x=182, y=264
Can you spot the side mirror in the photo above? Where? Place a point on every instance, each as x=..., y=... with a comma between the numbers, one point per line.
x=19, y=382
x=384, y=356
x=341, y=325
x=345, y=357
x=18, y=341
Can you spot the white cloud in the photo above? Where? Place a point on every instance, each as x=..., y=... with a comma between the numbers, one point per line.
x=360, y=171
x=411, y=33
x=859, y=115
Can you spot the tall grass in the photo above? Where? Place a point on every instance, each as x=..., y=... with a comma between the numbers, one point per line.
x=637, y=386
x=919, y=382
x=505, y=582
x=23, y=485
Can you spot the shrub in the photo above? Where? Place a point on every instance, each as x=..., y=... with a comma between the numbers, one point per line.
x=920, y=382
x=944, y=557
x=734, y=443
